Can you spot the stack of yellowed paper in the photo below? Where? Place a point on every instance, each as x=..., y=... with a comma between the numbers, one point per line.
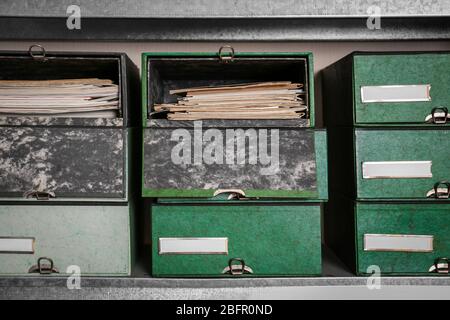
x=91, y=97
x=263, y=100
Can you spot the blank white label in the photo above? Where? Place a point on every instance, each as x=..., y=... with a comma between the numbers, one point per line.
x=396, y=169
x=398, y=242
x=16, y=245
x=193, y=245
x=398, y=93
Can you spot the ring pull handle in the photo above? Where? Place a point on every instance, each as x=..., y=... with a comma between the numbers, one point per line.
x=439, y=115
x=233, y=193
x=44, y=266
x=441, y=265
x=39, y=195
x=237, y=269
x=441, y=190
x=226, y=57
x=37, y=52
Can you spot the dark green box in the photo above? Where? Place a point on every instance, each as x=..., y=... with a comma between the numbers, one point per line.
x=399, y=238
x=201, y=239
x=384, y=88
x=387, y=120
x=389, y=163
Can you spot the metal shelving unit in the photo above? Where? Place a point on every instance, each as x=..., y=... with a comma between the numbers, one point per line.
x=221, y=20
x=337, y=283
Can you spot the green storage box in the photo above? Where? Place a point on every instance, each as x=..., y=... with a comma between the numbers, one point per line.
x=387, y=119
x=403, y=238
x=95, y=239
x=249, y=238
x=259, y=158
x=390, y=163
x=402, y=164
x=163, y=71
x=398, y=238
x=383, y=88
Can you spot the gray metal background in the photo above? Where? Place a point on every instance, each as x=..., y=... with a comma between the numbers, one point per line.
x=225, y=20
x=223, y=8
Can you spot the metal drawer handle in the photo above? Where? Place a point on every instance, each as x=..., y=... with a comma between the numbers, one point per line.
x=225, y=58
x=439, y=115
x=441, y=190
x=44, y=266
x=38, y=54
x=441, y=265
x=234, y=193
x=237, y=269
x=39, y=195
